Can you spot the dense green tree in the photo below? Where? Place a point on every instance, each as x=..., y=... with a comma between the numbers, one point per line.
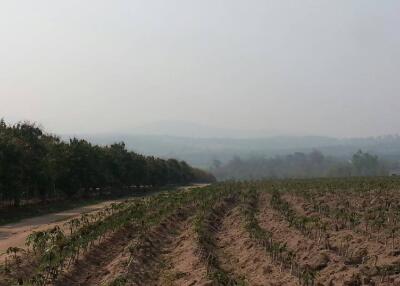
x=36, y=165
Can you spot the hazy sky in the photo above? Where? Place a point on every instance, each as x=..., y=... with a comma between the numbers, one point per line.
x=314, y=67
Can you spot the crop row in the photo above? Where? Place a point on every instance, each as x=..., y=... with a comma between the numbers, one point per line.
x=55, y=250
x=279, y=252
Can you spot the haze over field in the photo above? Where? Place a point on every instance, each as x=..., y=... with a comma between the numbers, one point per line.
x=272, y=67
x=228, y=142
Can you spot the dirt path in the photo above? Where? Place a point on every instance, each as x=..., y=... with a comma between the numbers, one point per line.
x=193, y=186
x=240, y=255
x=15, y=234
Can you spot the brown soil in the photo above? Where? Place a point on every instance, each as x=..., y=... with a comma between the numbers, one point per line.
x=364, y=251
x=183, y=265
x=25, y=269
x=168, y=254
x=332, y=269
x=239, y=254
x=148, y=262
x=109, y=260
x=92, y=267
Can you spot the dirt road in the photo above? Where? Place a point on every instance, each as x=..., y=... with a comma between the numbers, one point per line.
x=15, y=234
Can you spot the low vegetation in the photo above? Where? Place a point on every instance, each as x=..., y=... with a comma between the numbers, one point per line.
x=299, y=232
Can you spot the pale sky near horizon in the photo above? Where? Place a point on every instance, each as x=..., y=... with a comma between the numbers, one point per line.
x=302, y=67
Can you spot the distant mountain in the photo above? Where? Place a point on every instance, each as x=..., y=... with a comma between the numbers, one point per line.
x=194, y=130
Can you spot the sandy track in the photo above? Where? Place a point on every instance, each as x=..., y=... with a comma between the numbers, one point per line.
x=240, y=255
x=15, y=234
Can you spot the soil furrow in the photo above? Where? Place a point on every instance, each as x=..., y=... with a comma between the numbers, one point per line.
x=148, y=260
x=90, y=269
x=331, y=269
x=183, y=266
x=207, y=224
x=361, y=250
x=109, y=260
x=238, y=254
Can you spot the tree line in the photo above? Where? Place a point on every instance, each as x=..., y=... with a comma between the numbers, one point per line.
x=38, y=165
x=302, y=165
